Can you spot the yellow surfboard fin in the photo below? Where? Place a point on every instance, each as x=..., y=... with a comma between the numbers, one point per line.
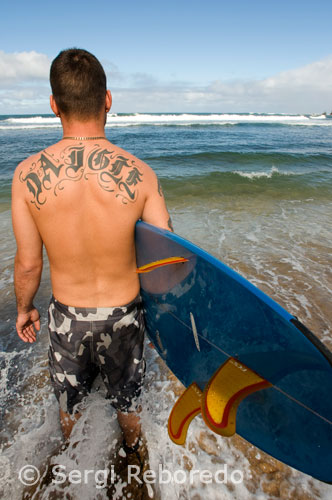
x=229, y=385
x=159, y=263
x=185, y=409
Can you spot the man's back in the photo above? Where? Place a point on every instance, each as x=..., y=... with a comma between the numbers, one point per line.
x=85, y=198
x=81, y=198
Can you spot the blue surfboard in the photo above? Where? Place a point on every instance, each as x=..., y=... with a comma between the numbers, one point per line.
x=200, y=314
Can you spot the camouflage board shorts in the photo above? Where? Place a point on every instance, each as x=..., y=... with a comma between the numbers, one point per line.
x=85, y=341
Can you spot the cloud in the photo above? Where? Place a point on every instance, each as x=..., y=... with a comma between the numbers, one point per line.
x=317, y=75
x=24, y=99
x=24, y=88
x=304, y=89
x=22, y=66
x=307, y=89
x=113, y=74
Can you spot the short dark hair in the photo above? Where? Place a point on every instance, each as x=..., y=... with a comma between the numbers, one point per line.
x=78, y=83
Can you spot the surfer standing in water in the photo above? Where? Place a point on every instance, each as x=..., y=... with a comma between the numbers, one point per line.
x=81, y=198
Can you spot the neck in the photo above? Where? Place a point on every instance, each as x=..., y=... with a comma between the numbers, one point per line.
x=75, y=128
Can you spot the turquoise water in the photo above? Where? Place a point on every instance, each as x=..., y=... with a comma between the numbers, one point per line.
x=254, y=190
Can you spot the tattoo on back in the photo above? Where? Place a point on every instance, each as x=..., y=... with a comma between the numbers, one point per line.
x=110, y=169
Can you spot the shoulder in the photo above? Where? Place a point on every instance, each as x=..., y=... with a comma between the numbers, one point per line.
x=26, y=167
x=27, y=177
x=32, y=166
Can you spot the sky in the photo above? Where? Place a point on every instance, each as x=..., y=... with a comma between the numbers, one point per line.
x=176, y=56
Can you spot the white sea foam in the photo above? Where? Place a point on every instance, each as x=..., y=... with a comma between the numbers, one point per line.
x=258, y=175
x=30, y=122
x=184, y=119
x=318, y=117
x=96, y=436
x=216, y=118
x=34, y=120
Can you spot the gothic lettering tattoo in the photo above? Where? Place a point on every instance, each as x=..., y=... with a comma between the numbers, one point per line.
x=113, y=172
x=170, y=225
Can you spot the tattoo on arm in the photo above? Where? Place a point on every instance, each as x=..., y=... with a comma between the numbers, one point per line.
x=160, y=190
x=110, y=169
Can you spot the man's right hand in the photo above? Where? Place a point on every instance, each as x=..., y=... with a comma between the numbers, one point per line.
x=27, y=324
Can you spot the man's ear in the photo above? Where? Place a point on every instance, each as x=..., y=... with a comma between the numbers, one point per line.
x=108, y=101
x=54, y=106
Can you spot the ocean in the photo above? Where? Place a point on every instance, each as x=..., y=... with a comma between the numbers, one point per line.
x=255, y=190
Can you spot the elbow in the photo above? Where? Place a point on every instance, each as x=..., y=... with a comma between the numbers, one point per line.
x=28, y=266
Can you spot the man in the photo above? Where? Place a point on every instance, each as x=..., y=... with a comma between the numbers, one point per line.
x=81, y=198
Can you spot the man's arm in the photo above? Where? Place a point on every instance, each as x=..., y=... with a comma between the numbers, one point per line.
x=155, y=211
x=28, y=263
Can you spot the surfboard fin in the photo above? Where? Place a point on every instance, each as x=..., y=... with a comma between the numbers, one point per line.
x=229, y=385
x=185, y=409
x=160, y=263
